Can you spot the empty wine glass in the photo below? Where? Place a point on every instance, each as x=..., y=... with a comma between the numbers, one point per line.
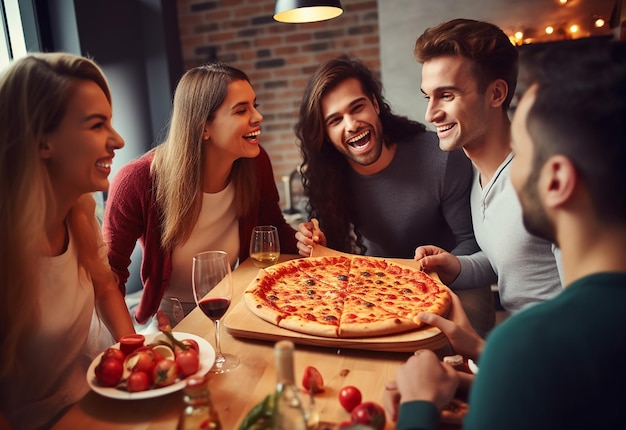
x=264, y=245
x=213, y=290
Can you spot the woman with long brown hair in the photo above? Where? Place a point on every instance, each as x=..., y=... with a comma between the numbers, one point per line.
x=56, y=148
x=204, y=188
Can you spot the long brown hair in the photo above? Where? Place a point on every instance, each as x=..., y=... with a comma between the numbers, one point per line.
x=34, y=93
x=177, y=167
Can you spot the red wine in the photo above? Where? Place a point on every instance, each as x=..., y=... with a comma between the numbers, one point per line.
x=214, y=307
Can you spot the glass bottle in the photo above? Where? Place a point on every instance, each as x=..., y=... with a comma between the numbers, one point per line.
x=289, y=413
x=198, y=412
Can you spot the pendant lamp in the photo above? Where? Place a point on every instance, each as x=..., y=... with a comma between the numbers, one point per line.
x=301, y=11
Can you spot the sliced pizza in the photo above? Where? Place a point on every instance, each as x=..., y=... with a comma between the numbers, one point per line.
x=345, y=296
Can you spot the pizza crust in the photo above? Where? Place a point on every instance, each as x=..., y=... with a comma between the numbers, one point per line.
x=376, y=328
x=299, y=324
x=259, y=308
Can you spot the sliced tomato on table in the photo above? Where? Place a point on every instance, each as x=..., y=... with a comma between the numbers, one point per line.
x=312, y=381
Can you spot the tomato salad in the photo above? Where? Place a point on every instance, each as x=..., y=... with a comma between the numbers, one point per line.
x=135, y=366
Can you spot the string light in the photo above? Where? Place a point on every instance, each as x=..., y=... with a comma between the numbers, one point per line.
x=560, y=26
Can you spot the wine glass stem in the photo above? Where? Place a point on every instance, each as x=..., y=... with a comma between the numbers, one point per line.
x=218, y=348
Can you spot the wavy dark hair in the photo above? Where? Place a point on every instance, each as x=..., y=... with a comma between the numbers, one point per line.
x=324, y=169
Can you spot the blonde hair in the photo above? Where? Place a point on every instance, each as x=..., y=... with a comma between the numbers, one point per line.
x=177, y=167
x=34, y=93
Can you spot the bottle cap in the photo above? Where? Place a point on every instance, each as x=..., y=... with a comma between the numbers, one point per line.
x=284, y=345
x=453, y=360
x=196, y=381
x=283, y=356
x=195, y=385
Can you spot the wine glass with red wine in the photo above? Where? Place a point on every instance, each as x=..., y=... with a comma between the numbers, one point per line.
x=213, y=289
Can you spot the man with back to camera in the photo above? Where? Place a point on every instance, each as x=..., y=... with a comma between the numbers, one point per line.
x=378, y=182
x=469, y=74
x=553, y=366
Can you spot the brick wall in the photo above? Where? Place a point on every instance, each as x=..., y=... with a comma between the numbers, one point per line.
x=278, y=57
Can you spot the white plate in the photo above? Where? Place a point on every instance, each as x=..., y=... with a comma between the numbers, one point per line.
x=207, y=358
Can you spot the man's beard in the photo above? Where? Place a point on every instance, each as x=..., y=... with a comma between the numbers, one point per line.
x=371, y=156
x=535, y=218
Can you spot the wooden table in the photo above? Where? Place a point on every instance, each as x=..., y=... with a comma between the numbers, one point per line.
x=236, y=392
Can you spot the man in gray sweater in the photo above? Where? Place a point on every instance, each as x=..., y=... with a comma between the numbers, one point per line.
x=469, y=75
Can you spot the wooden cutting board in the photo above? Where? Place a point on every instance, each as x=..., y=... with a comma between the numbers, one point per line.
x=241, y=322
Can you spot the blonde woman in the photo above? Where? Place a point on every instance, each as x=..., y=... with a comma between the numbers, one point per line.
x=56, y=148
x=205, y=187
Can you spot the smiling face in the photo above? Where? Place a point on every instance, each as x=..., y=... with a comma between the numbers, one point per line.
x=526, y=175
x=79, y=153
x=235, y=129
x=353, y=126
x=455, y=106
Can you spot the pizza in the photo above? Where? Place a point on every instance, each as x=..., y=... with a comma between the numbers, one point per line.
x=345, y=296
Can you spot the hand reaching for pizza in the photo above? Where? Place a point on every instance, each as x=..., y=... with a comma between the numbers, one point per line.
x=309, y=235
x=433, y=258
x=457, y=328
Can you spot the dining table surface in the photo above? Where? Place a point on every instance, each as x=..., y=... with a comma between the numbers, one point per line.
x=234, y=393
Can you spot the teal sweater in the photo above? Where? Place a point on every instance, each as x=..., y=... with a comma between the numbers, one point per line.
x=557, y=365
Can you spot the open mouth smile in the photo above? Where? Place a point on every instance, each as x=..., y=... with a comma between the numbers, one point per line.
x=252, y=135
x=444, y=128
x=360, y=140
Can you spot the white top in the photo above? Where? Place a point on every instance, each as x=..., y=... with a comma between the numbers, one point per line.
x=57, y=358
x=527, y=267
x=217, y=229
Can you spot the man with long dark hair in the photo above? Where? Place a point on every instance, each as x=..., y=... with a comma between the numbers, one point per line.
x=377, y=182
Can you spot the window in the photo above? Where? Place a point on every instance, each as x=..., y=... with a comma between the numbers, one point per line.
x=18, y=34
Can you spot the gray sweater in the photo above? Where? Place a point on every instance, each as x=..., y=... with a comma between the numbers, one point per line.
x=527, y=267
x=421, y=198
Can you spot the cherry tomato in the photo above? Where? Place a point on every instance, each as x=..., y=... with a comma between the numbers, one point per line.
x=188, y=362
x=192, y=344
x=312, y=380
x=349, y=397
x=138, y=381
x=109, y=372
x=113, y=353
x=370, y=414
x=130, y=342
x=165, y=372
x=143, y=361
x=156, y=355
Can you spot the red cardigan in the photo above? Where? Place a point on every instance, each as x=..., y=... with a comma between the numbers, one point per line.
x=131, y=214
